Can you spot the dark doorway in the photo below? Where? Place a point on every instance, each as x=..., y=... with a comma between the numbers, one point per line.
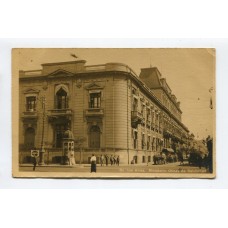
x=136, y=159
x=29, y=138
x=94, y=137
x=59, y=133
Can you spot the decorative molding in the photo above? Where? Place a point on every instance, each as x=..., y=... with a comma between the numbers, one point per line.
x=31, y=91
x=142, y=99
x=79, y=83
x=63, y=86
x=93, y=85
x=60, y=73
x=45, y=85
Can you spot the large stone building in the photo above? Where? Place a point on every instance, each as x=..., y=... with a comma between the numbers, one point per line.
x=109, y=109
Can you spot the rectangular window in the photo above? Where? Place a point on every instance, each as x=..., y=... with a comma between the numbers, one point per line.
x=142, y=109
x=148, y=143
x=153, y=144
x=135, y=139
x=143, y=141
x=95, y=100
x=135, y=104
x=148, y=114
x=31, y=104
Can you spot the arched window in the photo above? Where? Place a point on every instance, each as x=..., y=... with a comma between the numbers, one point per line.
x=29, y=138
x=94, y=137
x=61, y=99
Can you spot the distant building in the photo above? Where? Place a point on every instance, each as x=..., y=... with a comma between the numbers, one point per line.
x=113, y=109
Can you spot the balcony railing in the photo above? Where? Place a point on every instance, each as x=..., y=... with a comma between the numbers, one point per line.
x=30, y=114
x=59, y=112
x=94, y=112
x=136, y=115
x=136, y=118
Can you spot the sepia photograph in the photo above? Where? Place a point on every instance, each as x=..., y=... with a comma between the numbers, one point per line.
x=113, y=112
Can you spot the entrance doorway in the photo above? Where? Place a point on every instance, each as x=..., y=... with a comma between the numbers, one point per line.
x=94, y=141
x=29, y=138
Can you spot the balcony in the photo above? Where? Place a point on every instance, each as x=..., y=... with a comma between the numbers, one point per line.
x=136, y=118
x=94, y=112
x=31, y=114
x=58, y=113
x=166, y=132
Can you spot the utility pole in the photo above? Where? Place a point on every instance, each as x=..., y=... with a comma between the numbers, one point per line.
x=42, y=151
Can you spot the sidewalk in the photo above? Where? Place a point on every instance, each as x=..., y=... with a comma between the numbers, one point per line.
x=83, y=165
x=98, y=165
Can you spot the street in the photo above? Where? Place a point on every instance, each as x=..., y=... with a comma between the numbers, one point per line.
x=141, y=168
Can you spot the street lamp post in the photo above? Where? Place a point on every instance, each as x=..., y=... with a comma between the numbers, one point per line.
x=42, y=151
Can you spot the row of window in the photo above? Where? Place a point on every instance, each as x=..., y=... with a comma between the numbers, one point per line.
x=59, y=130
x=152, y=143
x=147, y=113
x=153, y=117
x=61, y=101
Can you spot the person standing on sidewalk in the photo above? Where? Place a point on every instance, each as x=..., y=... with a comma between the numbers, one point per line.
x=93, y=163
x=102, y=159
x=106, y=159
x=34, y=163
x=118, y=160
x=111, y=159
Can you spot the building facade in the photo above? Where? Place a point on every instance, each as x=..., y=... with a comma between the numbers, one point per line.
x=109, y=109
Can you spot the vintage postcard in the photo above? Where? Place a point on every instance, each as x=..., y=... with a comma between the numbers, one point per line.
x=114, y=112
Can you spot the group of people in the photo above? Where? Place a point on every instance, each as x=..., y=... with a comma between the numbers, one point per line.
x=113, y=160
x=162, y=158
x=104, y=160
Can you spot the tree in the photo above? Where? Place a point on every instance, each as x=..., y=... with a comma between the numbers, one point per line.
x=78, y=145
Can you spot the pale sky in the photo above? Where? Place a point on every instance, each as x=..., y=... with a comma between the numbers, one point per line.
x=189, y=73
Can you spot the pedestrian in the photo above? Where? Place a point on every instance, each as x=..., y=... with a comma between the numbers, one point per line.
x=114, y=159
x=155, y=159
x=118, y=160
x=200, y=160
x=102, y=159
x=93, y=160
x=111, y=159
x=106, y=159
x=181, y=158
x=71, y=159
x=34, y=163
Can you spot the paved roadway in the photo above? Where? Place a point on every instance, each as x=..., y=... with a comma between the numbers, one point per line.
x=150, y=168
